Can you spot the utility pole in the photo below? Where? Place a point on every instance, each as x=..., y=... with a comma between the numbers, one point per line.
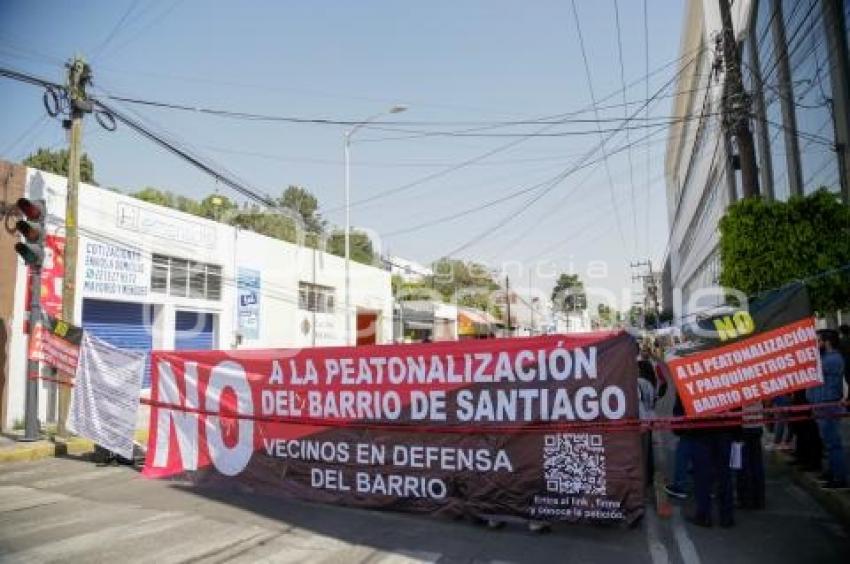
x=530, y=305
x=736, y=104
x=508, y=304
x=79, y=76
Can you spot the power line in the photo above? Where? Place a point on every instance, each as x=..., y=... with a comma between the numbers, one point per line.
x=558, y=179
x=626, y=113
x=598, y=129
x=118, y=27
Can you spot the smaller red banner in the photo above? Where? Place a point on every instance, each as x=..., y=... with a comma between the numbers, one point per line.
x=56, y=345
x=769, y=364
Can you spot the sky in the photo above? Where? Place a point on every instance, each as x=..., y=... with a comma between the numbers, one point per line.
x=458, y=66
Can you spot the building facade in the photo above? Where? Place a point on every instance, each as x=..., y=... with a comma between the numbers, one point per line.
x=150, y=277
x=795, y=67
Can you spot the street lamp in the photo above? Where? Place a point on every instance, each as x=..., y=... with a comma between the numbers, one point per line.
x=347, y=137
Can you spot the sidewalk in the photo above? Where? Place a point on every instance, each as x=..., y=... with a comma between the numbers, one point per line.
x=13, y=450
x=836, y=502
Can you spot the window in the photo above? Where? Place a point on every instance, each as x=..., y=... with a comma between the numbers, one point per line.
x=197, y=279
x=159, y=274
x=185, y=278
x=312, y=297
x=179, y=277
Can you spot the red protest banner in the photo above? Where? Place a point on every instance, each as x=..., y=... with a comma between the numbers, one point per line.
x=376, y=426
x=769, y=364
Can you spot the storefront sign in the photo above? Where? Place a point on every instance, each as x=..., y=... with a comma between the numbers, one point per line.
x=114, y=271
x=474, y=427
x=772, y=350
x=248, y=306
x=165, y=226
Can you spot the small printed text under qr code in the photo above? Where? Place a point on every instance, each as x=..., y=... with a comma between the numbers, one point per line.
x=574, y=463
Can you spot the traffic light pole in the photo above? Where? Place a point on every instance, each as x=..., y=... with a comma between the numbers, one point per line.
x=78, y=75
x=31, y=429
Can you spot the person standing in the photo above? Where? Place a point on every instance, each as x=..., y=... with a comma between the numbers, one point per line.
x=844, y=349
x=711, y=449
x=682, y=457
x=646, y=410
x=750, y=480
x=830, y=392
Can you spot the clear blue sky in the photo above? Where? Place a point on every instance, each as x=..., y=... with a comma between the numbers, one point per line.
x=448, y=61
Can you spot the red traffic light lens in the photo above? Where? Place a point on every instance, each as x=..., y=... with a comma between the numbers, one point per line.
x=31, y=210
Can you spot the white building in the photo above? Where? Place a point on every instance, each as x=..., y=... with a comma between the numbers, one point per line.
x=410, y=271
x=796, y=73
x=150, y=277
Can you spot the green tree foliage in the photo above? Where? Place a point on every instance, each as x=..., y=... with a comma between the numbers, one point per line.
x=301, y=201
x=607, y=316
x=410, y=291
x=361, y=246
x=765, y=245
x=469, y=284
x=298, y=207
x=57, y=163
x=568, y=293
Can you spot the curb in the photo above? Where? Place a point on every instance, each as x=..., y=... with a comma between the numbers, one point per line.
x=24, y=452
x=837, y=503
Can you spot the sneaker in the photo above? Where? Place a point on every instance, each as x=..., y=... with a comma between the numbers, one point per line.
x=673, y=491
x=495, y=524
x=539, y=527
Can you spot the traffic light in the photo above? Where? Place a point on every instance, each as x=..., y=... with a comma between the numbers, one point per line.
x=31, y=227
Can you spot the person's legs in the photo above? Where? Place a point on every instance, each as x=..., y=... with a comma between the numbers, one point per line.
x=720, y=450
x=754, y=461
x=831, y=435
x=683, y=459
x=701, y=455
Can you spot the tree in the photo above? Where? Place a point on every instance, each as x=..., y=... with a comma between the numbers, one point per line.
x=57, y=163
x=155, y=196
x=766, y=244
x=607, y=315
x=568, y=293
x=361, y=246
x=303, y=202
x=217, y=207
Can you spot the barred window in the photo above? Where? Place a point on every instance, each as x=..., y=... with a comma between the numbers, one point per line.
x=313, y=297
x=185, y=278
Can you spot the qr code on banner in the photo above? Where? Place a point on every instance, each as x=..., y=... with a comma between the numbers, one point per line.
x=574, y=463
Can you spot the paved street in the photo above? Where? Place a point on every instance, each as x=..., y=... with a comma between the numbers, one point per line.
x=72, y=510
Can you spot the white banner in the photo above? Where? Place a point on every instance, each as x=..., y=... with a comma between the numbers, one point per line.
x=106, y=395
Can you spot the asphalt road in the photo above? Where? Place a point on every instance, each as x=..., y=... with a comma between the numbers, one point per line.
x=72, y=510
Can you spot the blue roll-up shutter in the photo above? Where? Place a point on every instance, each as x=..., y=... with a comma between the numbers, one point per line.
x=122, y=324
x=193, y=330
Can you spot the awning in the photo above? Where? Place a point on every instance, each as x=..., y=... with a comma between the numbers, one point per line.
x=472, y=322
x=418, y=325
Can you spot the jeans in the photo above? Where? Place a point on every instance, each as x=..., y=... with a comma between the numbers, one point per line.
x=684, y=453
x=750, y=479
x=781, y=431
x=711, y=467
x=831, y=435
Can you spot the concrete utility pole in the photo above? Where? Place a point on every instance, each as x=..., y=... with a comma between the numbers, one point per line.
x=508, y=304
x=79, y=76
x=736, y=105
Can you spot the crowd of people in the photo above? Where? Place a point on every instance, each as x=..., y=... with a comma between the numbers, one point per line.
x=726, y=464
